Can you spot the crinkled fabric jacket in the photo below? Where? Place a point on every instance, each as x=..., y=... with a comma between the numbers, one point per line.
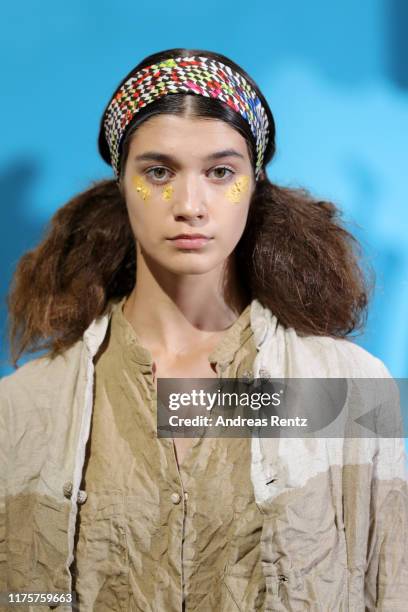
x=335, y=509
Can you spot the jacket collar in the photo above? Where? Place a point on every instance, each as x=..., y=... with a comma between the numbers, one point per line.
x=263, y=323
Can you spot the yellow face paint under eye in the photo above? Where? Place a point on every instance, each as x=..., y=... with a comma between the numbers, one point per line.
x=167, y=192
x=239, y=187
x=141, y=187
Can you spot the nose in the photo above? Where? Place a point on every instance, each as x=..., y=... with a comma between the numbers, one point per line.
x=189, y=199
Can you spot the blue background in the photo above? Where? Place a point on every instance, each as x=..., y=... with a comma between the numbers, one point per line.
x=335, y=75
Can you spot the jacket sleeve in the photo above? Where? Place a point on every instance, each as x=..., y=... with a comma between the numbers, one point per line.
x=386, y=577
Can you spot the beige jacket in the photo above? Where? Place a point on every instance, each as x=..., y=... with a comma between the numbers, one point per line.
x=335, y=533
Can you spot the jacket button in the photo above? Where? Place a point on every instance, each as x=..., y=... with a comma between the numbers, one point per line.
x=247, y=377
x=186, y=495
x=67, y=489
x=175, y=498
x=82, y=496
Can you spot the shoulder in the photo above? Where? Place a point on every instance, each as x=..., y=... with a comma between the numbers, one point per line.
x=346, y=356
x=44, y=375
x=40, y=376
x=311, y=355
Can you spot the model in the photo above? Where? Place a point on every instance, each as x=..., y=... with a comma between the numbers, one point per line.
x=190, y=263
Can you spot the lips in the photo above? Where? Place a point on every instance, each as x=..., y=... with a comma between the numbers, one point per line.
x=189, y=236
x=190, y=241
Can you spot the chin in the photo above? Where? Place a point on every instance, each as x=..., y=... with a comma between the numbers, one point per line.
x=192, y=264
x=190, y=269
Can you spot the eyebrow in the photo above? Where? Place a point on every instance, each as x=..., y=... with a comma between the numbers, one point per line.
x=163, y=157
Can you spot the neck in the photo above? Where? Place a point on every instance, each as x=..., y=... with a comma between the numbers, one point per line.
x=173, y=313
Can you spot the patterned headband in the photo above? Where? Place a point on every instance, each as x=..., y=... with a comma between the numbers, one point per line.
x=199, y=75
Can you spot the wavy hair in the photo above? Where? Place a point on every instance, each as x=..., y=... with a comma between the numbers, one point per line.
x=295, y=255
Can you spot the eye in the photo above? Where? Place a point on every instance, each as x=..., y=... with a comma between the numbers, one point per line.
x=158, y=173
x=222, y=169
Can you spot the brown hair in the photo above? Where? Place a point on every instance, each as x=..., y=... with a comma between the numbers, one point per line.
x=295, y=256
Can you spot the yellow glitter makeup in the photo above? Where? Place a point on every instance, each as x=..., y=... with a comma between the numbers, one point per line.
x=236, y=190
x=167, y=192
x=141, y=187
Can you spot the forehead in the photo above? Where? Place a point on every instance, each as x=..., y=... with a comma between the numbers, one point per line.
x=187, y=133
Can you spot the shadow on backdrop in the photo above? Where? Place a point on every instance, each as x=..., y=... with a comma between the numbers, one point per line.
x=19, y=233
x=398, y=39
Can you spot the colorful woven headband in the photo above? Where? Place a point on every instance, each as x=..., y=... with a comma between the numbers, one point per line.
x=198, y=75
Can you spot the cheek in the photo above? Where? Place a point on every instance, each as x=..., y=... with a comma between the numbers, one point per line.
x=167, y=193
x=140, y=198
x=141, y=188
x=236, y=193
x=232, y=221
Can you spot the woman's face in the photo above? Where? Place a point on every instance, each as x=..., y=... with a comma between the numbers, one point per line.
x=187, y=176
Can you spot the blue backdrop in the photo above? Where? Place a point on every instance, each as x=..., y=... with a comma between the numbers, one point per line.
x=336, y=77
